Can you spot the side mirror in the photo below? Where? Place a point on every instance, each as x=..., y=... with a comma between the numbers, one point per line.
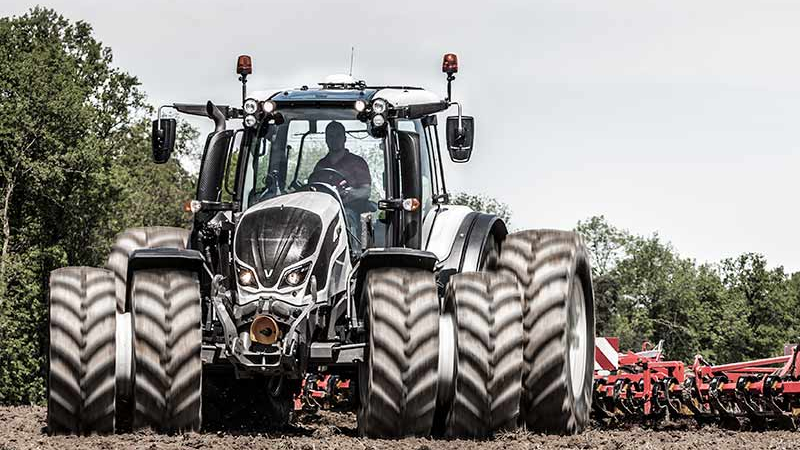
x=163, y=139
x=459, y=141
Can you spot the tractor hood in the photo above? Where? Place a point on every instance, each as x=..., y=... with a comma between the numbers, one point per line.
x=287, y=234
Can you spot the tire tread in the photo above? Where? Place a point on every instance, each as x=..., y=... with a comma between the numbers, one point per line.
x=167, y=338
x=82, y=324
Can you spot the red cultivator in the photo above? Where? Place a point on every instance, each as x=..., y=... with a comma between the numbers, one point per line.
x=642, y=386
x=323, y=392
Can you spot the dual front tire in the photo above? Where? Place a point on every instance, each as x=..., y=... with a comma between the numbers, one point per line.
x=84, y=344
x=112, y=369
x=81, y=382
x=167, y=388
x=398, y=381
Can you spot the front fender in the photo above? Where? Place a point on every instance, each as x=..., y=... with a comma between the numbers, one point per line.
x=163, y=258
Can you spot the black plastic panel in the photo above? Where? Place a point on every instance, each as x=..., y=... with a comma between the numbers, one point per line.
x=274, y=238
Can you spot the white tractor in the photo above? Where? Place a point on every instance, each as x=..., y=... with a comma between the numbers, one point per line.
x=323, y=240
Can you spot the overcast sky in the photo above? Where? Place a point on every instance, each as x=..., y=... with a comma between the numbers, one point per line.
x=679, y=117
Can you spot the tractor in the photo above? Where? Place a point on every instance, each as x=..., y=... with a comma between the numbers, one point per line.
x=323, y=240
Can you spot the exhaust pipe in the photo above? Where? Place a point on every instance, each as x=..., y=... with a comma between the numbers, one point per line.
x=216, y=115
x=264, y=330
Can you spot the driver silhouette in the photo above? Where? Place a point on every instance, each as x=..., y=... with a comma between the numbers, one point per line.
x=354, y=169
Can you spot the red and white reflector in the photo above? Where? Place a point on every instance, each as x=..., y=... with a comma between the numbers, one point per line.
x=411, y=204
x=606, y=353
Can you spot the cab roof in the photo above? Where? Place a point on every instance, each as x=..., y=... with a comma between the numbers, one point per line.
x=397, y=96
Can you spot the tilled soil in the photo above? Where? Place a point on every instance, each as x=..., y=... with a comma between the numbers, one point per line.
x=24, y=428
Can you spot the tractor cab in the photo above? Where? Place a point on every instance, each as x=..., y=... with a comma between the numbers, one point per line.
x=340, y=140
x=374, y=149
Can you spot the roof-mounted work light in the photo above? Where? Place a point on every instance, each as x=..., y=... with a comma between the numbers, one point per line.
x=250, y=106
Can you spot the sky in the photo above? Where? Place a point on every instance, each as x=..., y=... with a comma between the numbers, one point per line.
x=676, y=117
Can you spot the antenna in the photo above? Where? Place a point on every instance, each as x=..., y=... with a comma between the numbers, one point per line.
x=352, y=53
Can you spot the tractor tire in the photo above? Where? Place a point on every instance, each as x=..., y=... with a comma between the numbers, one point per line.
x=554, y=271
x=167, y=387
x=81, y=383
x=134, y=239
x=398, y=380
x=488, y=386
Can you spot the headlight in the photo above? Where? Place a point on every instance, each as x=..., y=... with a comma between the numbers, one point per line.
x=378, y=120
x=269, y=107
x=250, y=121
x=250, y=106
x=360, y=105
x=379, y=106
x=296, y=277
x=246, y=277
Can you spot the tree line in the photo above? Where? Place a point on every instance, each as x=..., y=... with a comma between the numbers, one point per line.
x=736, y=309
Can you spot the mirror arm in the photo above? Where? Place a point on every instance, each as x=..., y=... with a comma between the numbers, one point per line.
x=158, y=127
x=460, y=126
x=450, y=78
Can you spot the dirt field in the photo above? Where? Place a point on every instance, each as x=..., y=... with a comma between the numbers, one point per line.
x=23, y=428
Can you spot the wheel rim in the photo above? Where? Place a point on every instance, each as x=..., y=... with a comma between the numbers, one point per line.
x=577, y=339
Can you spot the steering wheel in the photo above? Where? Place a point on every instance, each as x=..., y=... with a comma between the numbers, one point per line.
x=332, y=177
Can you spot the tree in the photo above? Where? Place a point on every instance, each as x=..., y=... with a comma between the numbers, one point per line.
x=606, y=245
x=72, y=168
x=483, y=203
x=151, y=194
x=763, y=300
x=605, y=242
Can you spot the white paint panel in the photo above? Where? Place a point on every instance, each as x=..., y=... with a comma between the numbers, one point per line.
x=444, y=229
x=402, y=97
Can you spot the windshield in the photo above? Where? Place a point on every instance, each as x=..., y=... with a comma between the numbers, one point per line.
x=328, y=149
x=317, y=146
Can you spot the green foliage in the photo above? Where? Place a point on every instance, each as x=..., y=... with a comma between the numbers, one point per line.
x=74, y=171
x=605, y=243
x=645, y=291
x=482, y=203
